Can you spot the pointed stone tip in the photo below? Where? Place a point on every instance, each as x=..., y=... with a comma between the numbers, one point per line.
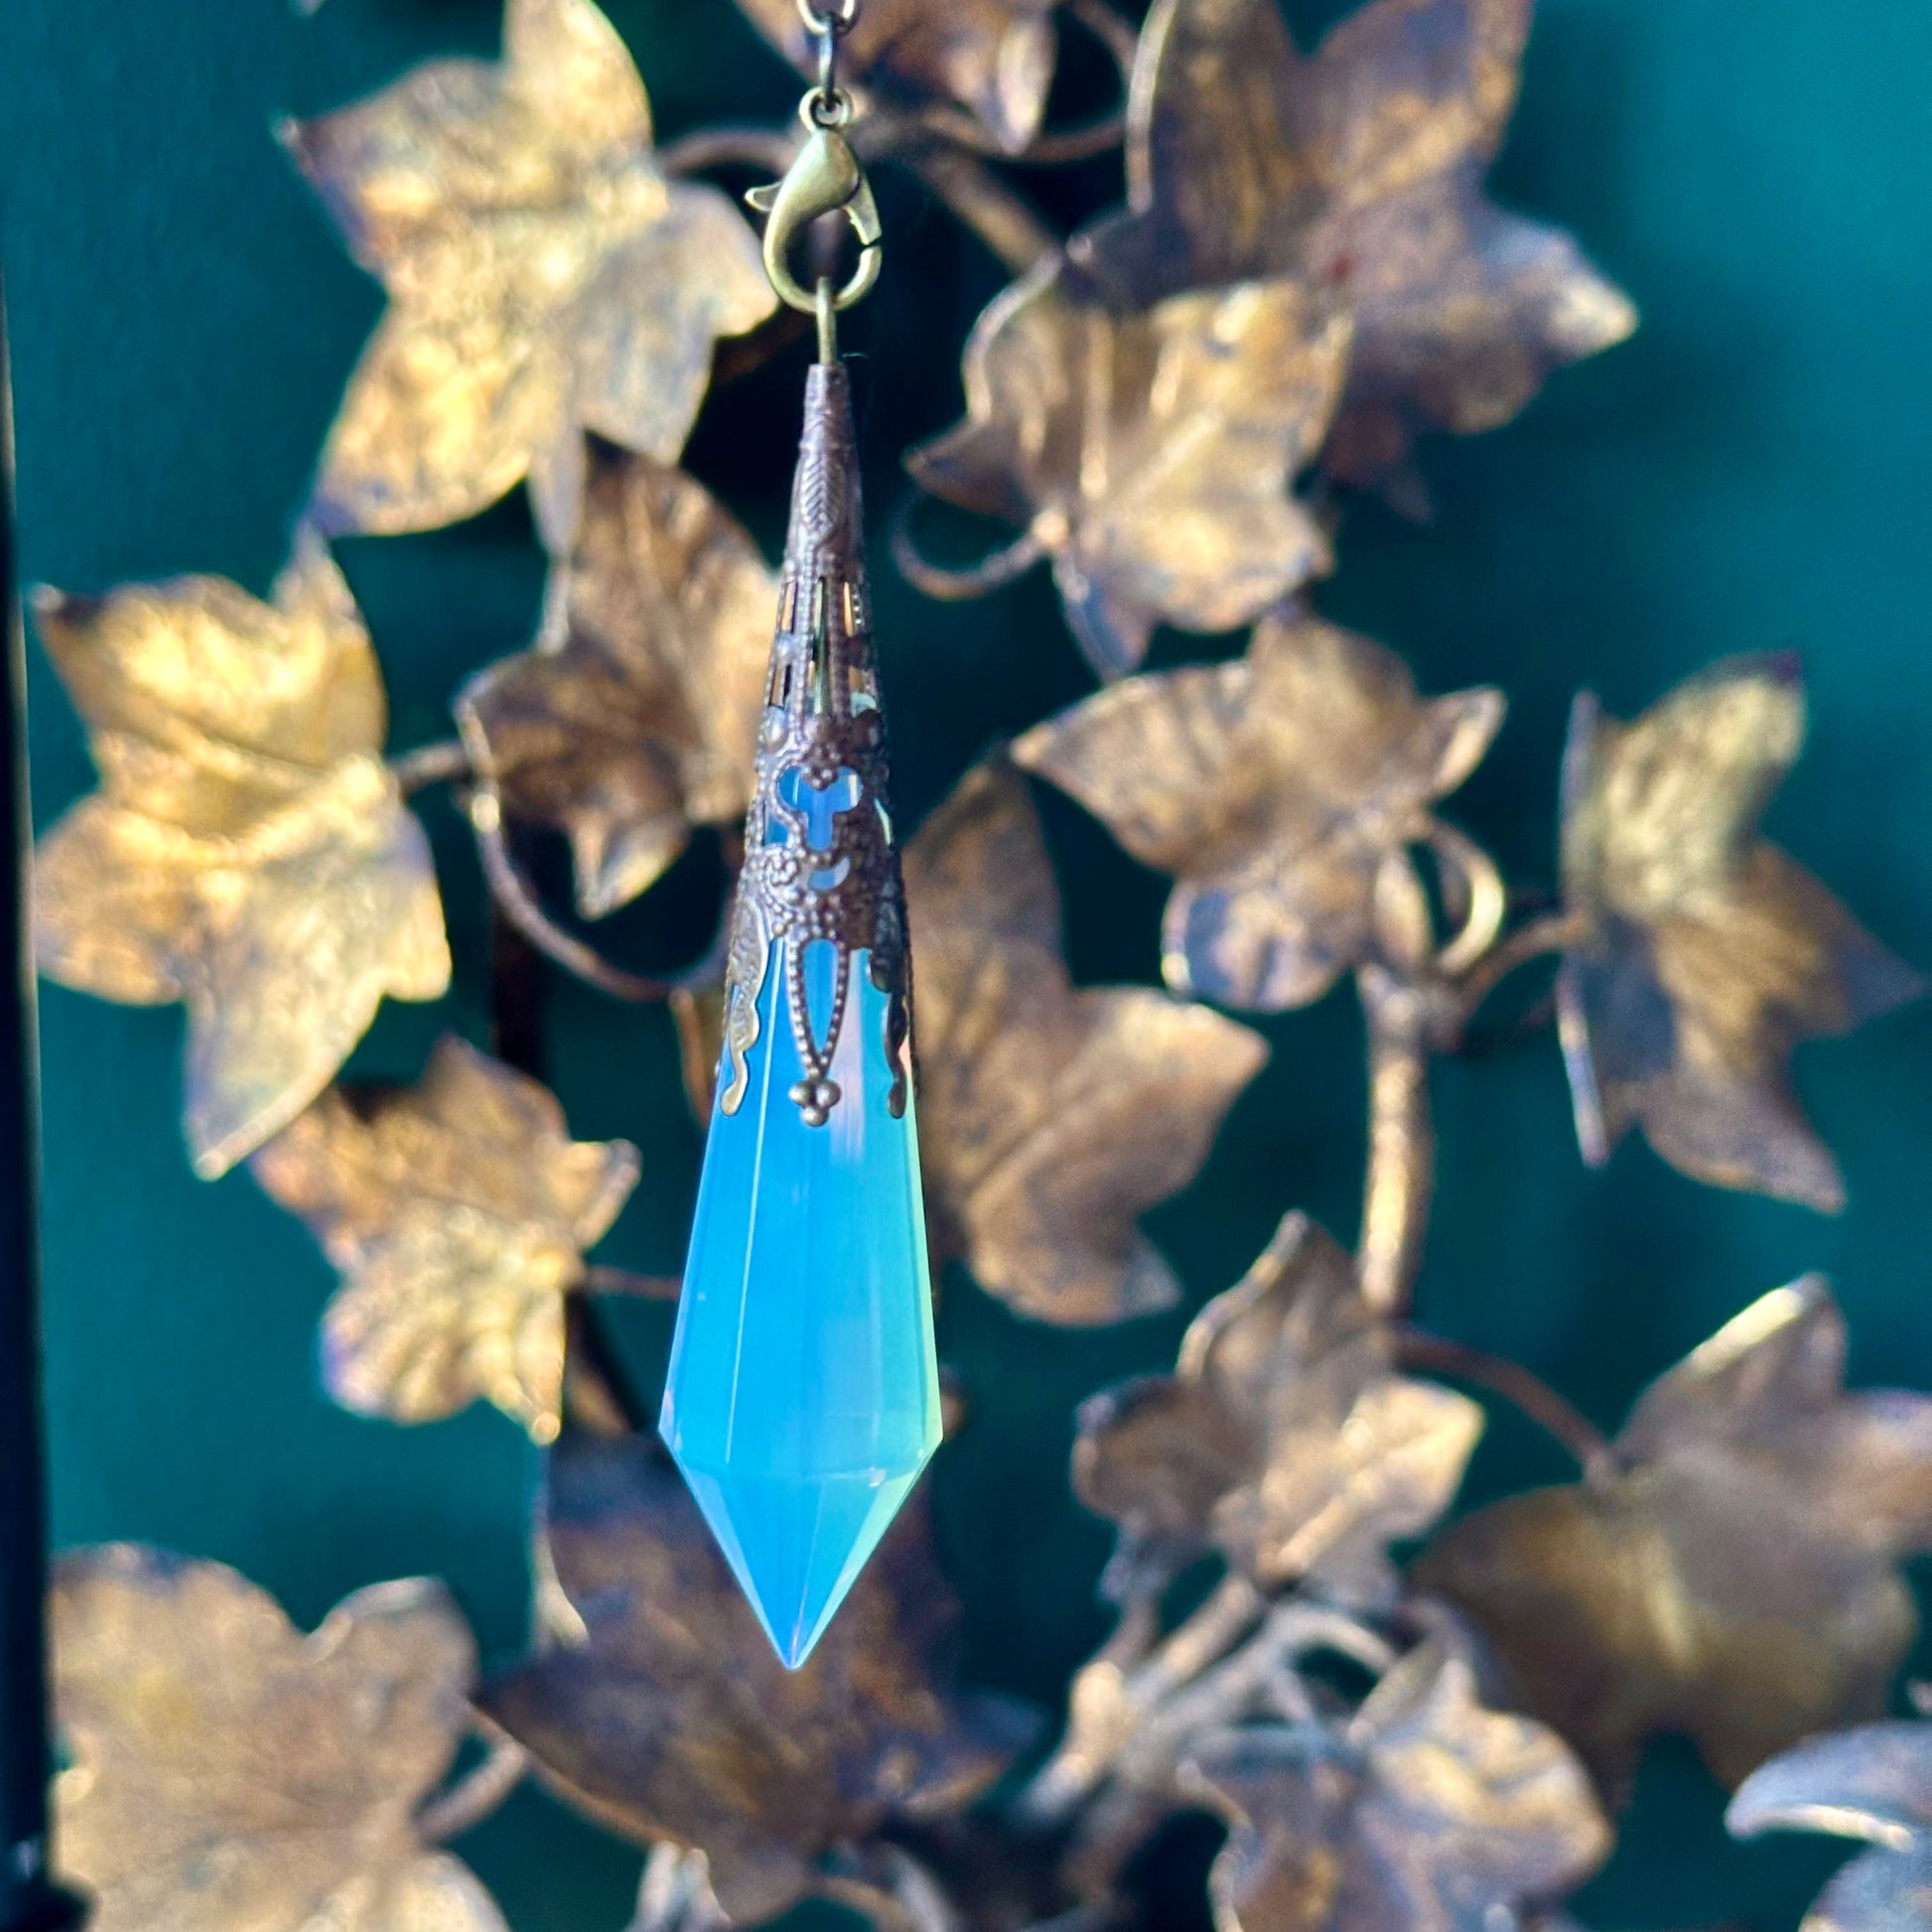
x=796, y=1545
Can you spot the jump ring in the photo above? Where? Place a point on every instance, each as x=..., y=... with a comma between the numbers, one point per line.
x=837, y=22
x=829, y=110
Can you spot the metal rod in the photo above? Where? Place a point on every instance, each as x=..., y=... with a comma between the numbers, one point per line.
x=28, y=1899
x=1401, y=1175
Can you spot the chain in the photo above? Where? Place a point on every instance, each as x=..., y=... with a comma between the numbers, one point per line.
x=839, y=21
x=828, y=26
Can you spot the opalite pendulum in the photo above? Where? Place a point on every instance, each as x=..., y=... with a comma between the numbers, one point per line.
x=803, y=1398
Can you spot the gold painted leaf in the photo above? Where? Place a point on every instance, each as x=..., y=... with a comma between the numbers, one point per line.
x=248, y=853
x=1283, y=1438
x=993, y=57
x=1873, y=1784
x=228, y=1774
x=458, y=1212
x=1150, y=454
x=1709, y=953
x=1050, y=1116
x=1360, y=168
x=1273, y=787
x=635, y=715
x=545, y=277
x=1429, y=1810
x=674, y=1718
x=1732, y=1574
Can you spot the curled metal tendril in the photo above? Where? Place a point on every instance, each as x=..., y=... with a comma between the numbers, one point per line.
x=519, y=903
x=958, y=584
x=518, y=898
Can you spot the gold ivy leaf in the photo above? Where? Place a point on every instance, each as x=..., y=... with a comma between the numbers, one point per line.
x=1427, y=1810
x=248, y=851
x=1873, y=1784
x=1359, y=168
x=672, y=1718
x=993, y=57
x=1273, y=787
x=544, y=277
x=1283, y=1438
x=1149, y=454
x=458, y=1212
x=1050, y=1118
x=1730, y=1573
x=1708, y=955
x=635, y=715
x=228, y=1774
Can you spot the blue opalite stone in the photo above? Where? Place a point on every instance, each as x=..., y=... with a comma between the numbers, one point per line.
x=803, y=1398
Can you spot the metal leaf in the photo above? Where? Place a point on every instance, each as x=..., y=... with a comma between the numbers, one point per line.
x=1882, y=1891
x=1050, y=1116
x=1283, y=1439
x=544, y=276
x=1873, y=1784
x=1731, y=1575
x=635, y=715
x=993, y=57
x=673, y=1719
x=1273, y=787
x=1709, y=953
x=457, y=1212
x=248, y=853
x=228, y=1774
x=1427, y=1810
x=1149, y=454
x=1359, y=168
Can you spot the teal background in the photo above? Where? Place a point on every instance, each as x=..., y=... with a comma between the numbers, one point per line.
x=1749, y=473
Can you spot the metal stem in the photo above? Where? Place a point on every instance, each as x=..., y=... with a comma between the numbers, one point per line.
x=1524, y=1391
x=627, y=1285
x=1554, y=932
x=476, y=1795
x=28, y=1899
x=983, y=203
x=517, y=902
x=431, y=765
x=1401, y=1176
x=1111, y=1712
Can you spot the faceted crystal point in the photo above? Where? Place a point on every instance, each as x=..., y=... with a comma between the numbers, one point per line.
x=803, y=1398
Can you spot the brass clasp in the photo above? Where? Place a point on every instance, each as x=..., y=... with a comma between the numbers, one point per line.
x=826, y=178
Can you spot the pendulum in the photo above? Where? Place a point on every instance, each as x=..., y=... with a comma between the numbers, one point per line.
x=803, y=1396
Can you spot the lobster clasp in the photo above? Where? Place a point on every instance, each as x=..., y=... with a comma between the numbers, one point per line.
x=826, y=178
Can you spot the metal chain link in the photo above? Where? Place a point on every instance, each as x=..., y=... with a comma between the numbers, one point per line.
x=829, y=27
x=837, y=22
